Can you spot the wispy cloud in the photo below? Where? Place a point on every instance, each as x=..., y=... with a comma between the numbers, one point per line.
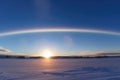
x=4, y=50
x=90, y=53
x=99, y=53
x=43, y=8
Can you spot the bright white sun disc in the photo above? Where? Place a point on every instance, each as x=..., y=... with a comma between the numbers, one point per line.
x=47, y=54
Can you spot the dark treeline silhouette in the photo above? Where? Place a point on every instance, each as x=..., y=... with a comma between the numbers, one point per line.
x=59, y=57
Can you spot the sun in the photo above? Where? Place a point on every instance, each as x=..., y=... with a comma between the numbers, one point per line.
x=47, y=54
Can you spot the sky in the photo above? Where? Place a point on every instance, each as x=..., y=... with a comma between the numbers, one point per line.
x=18, y=15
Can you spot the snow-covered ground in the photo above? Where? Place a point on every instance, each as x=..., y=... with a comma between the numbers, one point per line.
x=60, y=69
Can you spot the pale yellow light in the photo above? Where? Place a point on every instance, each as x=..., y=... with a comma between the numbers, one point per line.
x=47, y=54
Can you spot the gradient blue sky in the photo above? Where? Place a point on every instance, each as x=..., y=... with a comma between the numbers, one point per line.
x=33, y=14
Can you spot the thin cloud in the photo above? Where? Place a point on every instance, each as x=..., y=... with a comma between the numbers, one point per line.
x=90, y=53
x=4, y=50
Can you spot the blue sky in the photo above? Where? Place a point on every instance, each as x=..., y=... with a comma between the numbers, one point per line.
x=33, y=14
x=21, y=14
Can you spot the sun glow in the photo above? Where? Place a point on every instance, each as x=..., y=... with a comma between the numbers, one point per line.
x=47, y=54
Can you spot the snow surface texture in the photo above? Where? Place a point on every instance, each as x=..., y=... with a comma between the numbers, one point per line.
x=60, y=69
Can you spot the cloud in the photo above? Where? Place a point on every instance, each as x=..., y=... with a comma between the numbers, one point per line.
x=4, y=50
x=90, y=53
x=43, y=8
x=98, y=53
